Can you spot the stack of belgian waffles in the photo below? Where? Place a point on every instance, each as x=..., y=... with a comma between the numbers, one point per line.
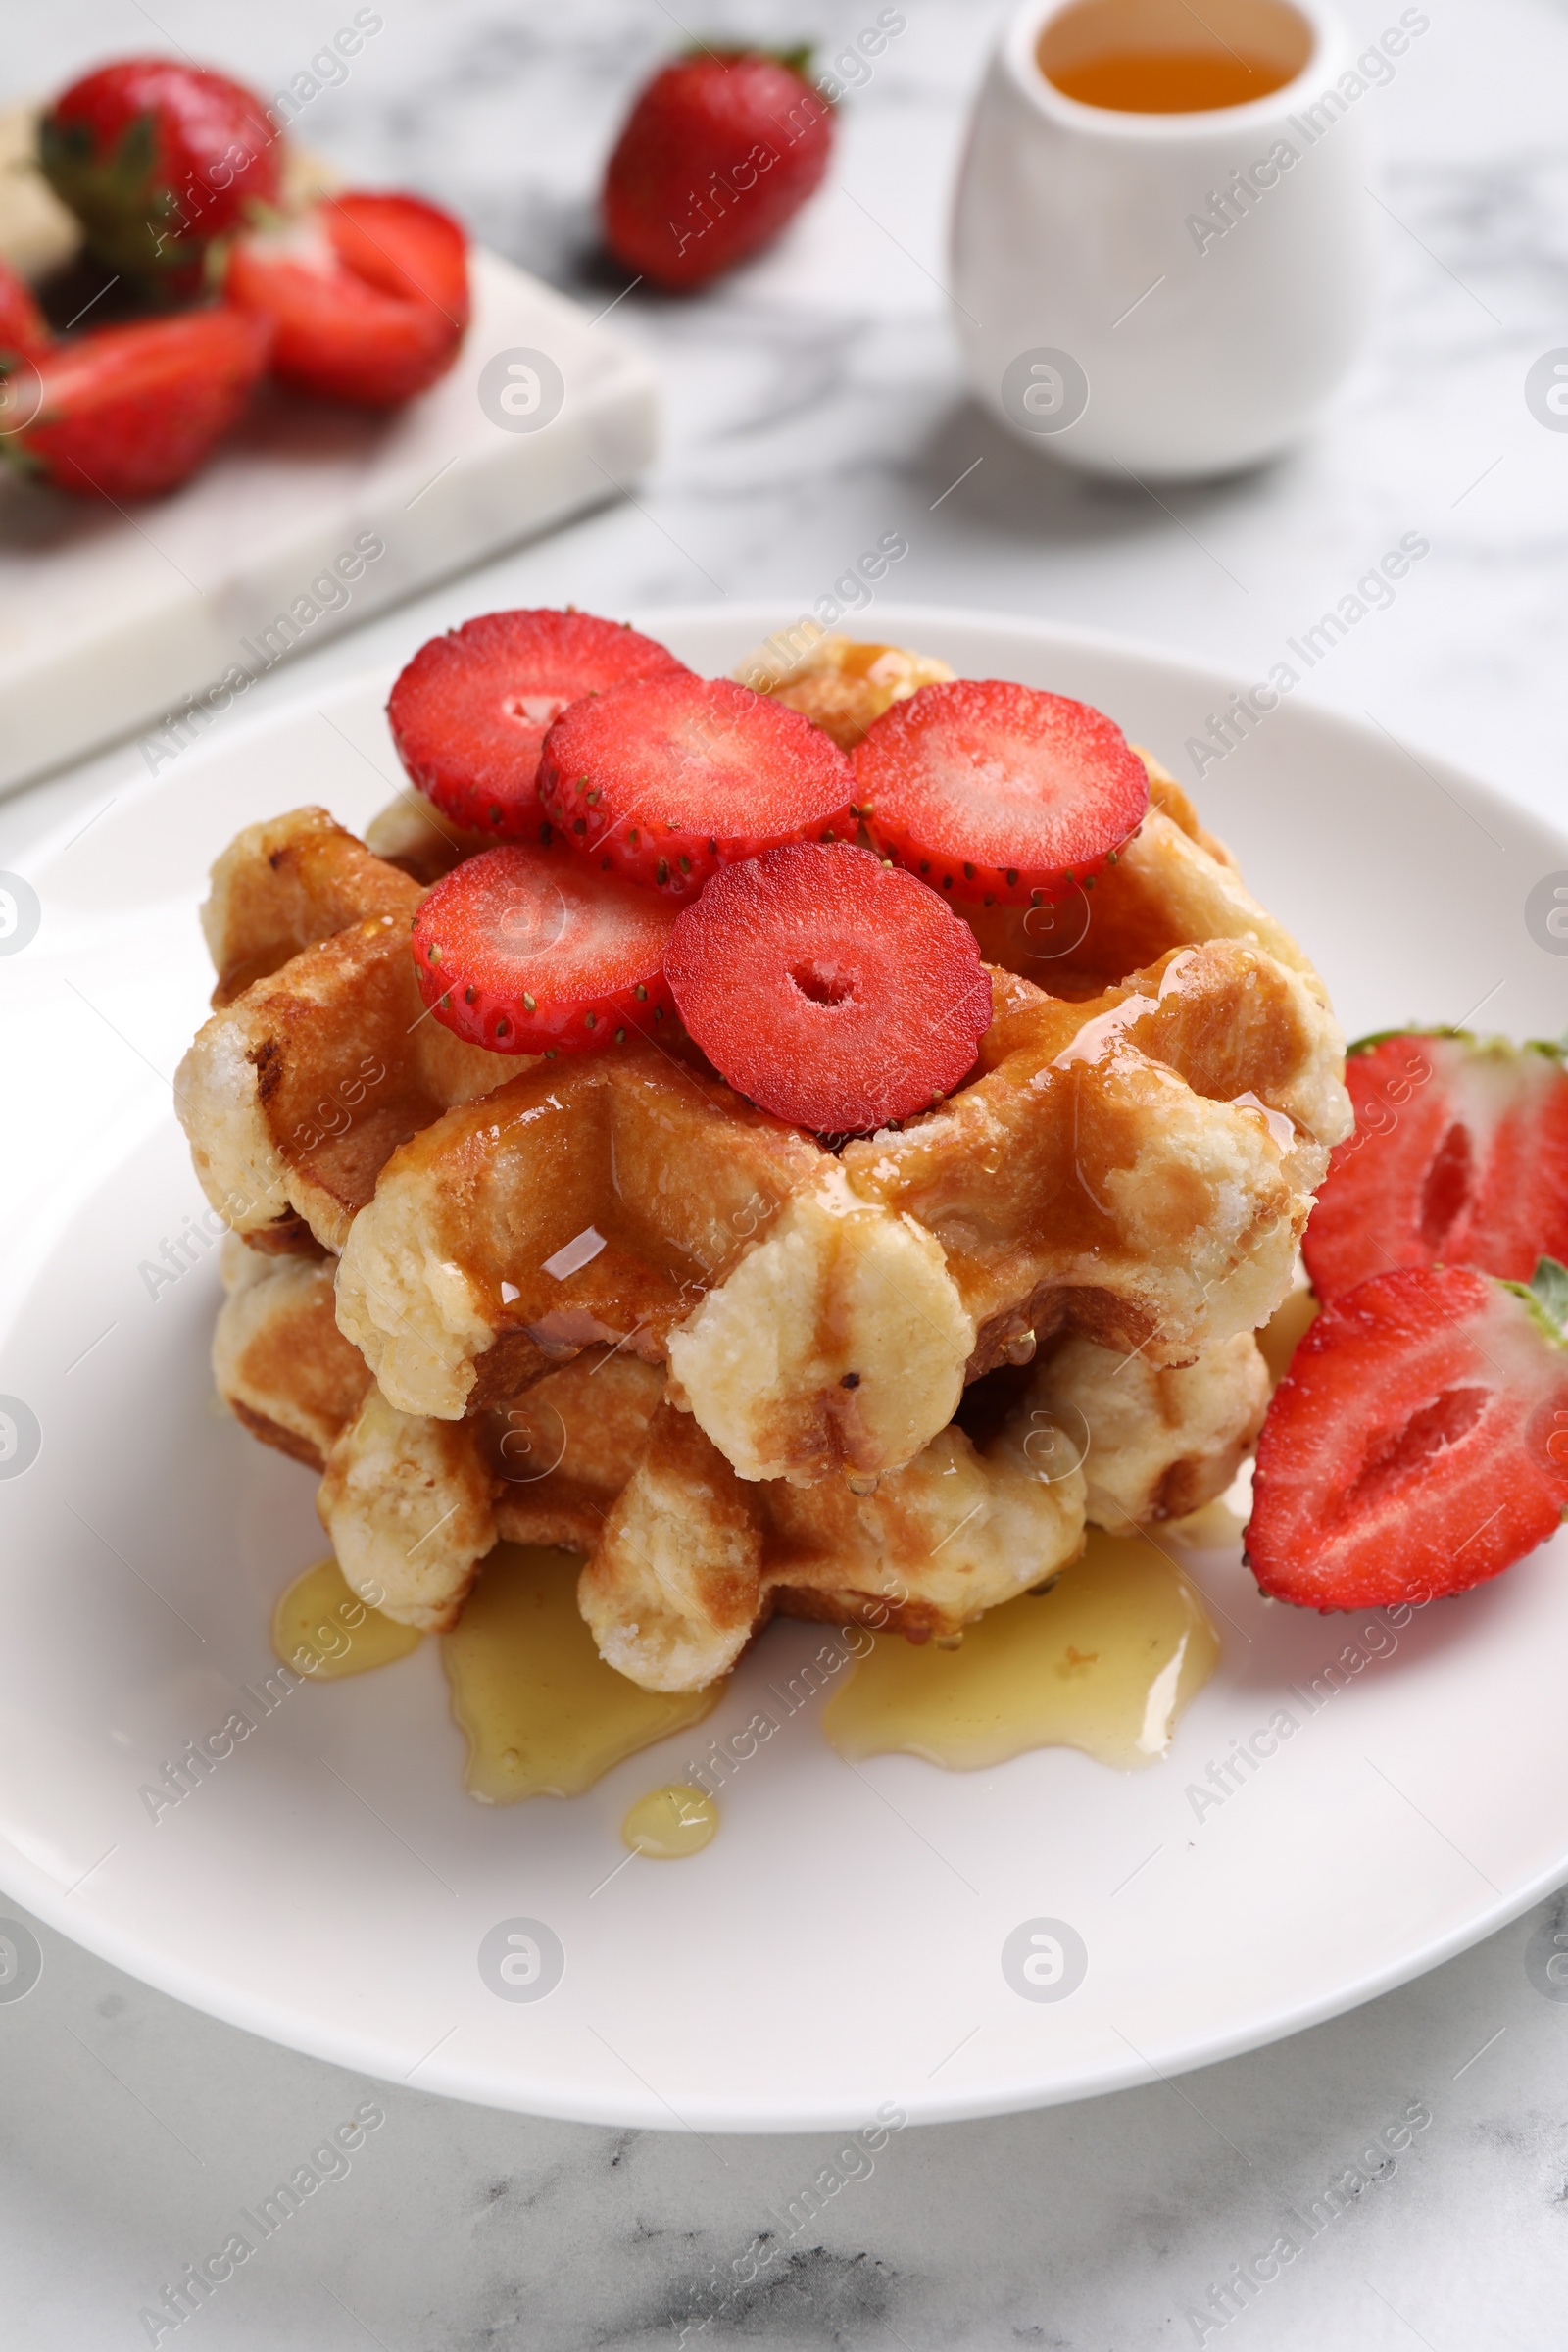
x=603, y=1302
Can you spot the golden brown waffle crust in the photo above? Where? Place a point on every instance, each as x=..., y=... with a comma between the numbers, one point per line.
x=687, y=1561
x=1135, y=1166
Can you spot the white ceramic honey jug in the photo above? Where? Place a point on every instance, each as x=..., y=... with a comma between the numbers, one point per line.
x=1177, y=293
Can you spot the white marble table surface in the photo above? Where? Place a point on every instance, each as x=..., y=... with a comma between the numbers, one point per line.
x=814, y=403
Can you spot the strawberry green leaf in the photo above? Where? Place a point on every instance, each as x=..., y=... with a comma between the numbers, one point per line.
x=1548, y=1286
x=796, y=60
x=1381, y=1037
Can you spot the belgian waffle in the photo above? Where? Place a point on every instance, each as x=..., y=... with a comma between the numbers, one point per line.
x=413, y=1506
x=317, y=1061
x=841, y=684
x=694, y=1558
x=723, y=1314
x=687, y=1560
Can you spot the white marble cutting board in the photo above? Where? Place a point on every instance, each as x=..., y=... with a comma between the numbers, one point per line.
x=112, y=620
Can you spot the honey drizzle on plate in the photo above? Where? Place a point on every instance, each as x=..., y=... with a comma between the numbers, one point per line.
x=543, y=1714
x=1105, y=1660
x=667, y=1824
x=321, y=1628
x=1091, y=1667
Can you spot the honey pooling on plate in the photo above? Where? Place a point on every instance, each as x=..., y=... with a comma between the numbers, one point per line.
x=1105, y=1660
x=667, y=1824
x=543, y=1714
x=322, y=1628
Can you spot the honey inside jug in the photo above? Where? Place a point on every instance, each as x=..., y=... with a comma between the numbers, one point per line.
x=1163, y=56
x=1167, y=81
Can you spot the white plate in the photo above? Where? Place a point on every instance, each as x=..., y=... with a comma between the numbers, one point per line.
x=839, y=1944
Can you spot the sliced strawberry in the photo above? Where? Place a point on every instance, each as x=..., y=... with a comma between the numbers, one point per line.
x=998, y=793
x=830, y=988
x=529, y=952
x=1459, y=1155
x=470, y=712
x=368, y=295
x=132, y=410
x=668, y=780
x=24, y=329
x=1419, y=1441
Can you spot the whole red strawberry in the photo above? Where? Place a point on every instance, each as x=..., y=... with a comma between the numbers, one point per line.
x=716, y=156
x=156, y=159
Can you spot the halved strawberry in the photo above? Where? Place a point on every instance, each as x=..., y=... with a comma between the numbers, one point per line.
x=129, y=412
x=529, y=953
x=368, y=295
x=832, y=989
x=24, y=328
x=667, y=780
x=1419, y=1441
x=1459, y=1155
x=470, y=712
x=997, y=793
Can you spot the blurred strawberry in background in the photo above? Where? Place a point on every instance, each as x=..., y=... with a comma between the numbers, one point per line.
x=156, y=159
x=718, y=152
x=23, y=325
x=176, y=176
x=367, y=295
x=130, y=412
